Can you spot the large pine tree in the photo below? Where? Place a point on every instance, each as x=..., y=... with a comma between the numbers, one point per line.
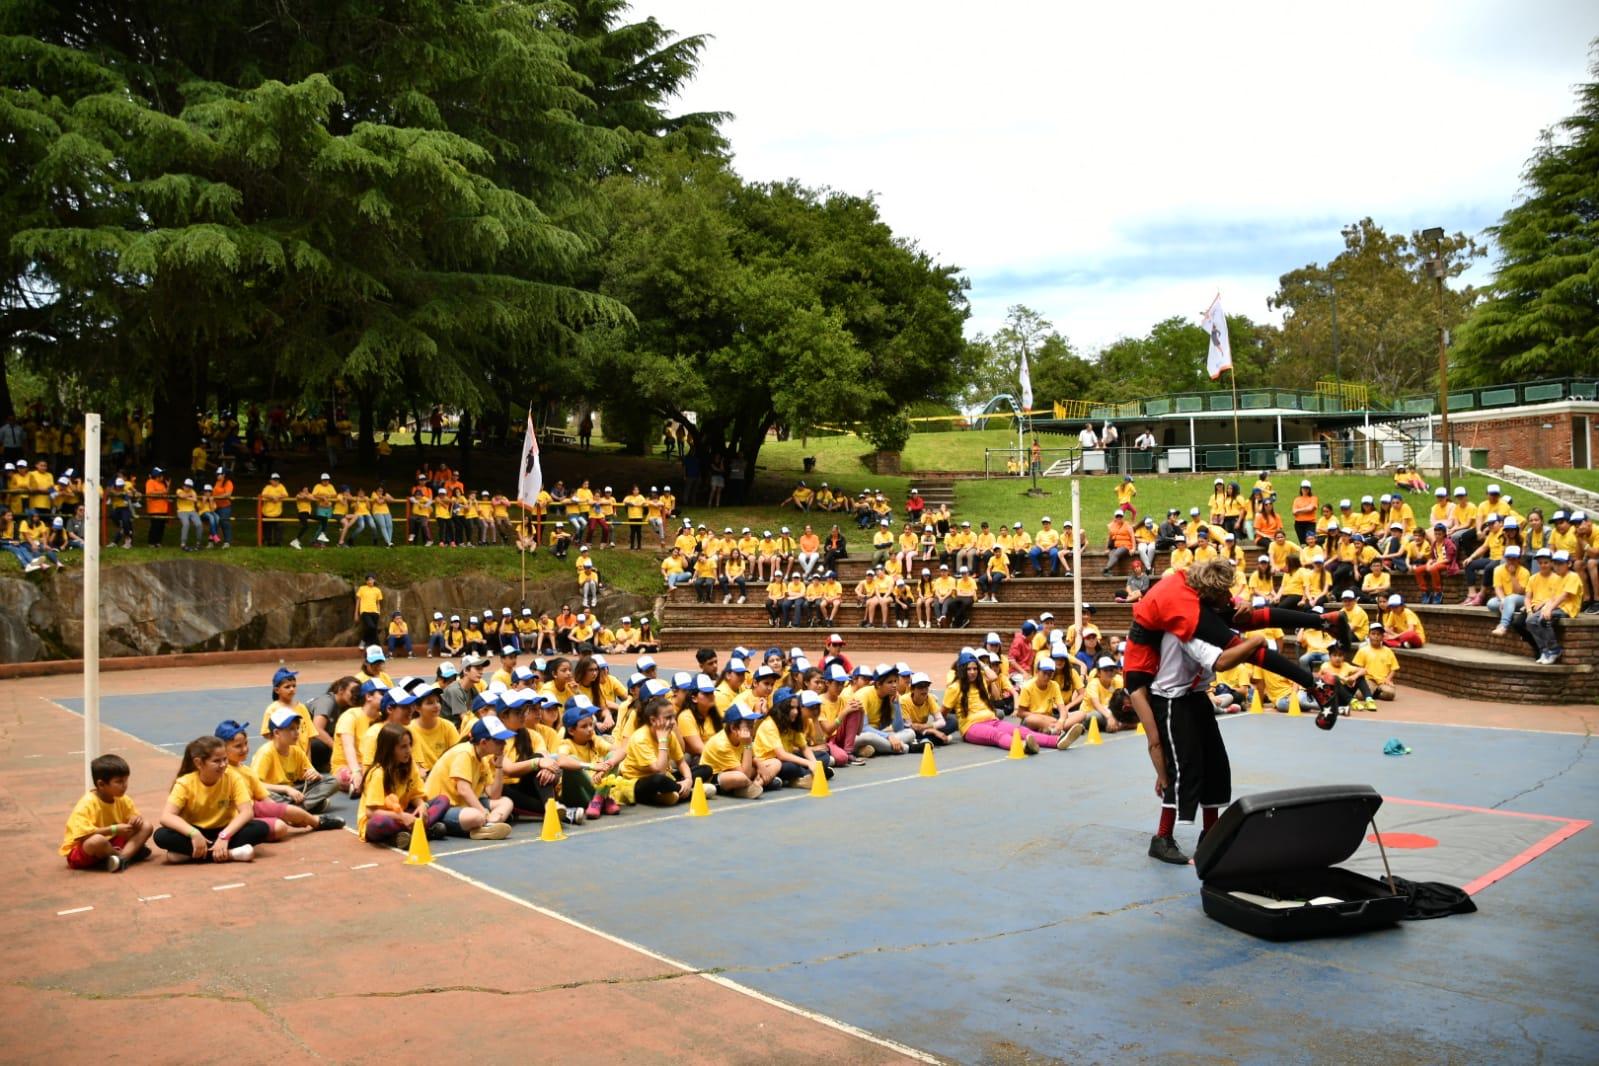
x=1542, y=315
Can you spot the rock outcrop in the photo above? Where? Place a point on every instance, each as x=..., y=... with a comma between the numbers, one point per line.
x=188, y=605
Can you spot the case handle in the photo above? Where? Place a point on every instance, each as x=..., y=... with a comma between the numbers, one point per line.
x=1386, y=868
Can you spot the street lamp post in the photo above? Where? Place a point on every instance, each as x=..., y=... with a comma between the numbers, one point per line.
x=1436, y=266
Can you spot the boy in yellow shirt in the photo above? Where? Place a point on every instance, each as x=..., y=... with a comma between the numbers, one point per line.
x=1379, y=662
x=105, y=830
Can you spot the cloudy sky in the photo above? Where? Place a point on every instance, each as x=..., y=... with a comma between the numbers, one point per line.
x=1113, y=164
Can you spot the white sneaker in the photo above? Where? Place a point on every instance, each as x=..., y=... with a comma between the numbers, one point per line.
x=242, y=853
x=727, y=599
x=322, y=538
x=710, y=790
x=295, y=543
x=1498, y=631
x=741, y=599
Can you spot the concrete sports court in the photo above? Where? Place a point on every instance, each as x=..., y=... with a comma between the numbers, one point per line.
x=1001, y=912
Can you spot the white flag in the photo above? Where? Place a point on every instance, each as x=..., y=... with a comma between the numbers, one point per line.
x=531, y=482
x=1220, y=356
x=1027, y=384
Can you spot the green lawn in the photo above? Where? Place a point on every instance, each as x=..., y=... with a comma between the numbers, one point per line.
x=950, y=450
x=1582, y=479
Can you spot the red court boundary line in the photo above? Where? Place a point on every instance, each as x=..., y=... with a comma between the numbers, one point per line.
x=1569, y=828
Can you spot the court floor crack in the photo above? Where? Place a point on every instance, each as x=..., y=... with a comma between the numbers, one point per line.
x=1587, y=739
x=563, y=986
x=983, y=938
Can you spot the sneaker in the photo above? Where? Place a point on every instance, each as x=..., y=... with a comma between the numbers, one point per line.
x=727, y=599
x=1323, y=695
x=1030, y=745
x=295, y=543
x=1070, y=737
x=114, y=864
x=777, y=785
x=611, y=806
x=436, y=831
x=1498, y=631
x=1166, y=850
x=573, y=815
x=491, y=831
x=741, y=599
x=402, y=840
x=596, y=808
x=242, y=853
x=710, y=790
x=322, y=538
x=330, y=821
x=1327, y=717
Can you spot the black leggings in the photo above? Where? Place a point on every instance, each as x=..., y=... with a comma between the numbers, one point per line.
x=252, y=832
x=1213, y=629
x=635, y=534
x=655, y=789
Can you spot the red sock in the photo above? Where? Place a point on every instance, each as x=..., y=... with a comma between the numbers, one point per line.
x=1168, y=821
x=1209, y=817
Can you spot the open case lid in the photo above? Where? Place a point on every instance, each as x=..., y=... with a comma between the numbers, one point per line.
x=1291, y=829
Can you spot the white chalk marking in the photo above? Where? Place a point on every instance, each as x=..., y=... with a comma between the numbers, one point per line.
x=226, y=887
x=297, y=877
x=152, y=899
x=364, y=866
x=74, y=910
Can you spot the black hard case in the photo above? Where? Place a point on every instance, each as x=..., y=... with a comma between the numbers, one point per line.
x=1287, y=844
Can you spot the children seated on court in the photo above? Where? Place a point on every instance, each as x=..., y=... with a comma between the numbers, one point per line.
x=209, y=816
x=471, y=778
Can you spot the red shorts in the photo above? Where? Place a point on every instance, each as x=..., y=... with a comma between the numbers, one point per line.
x=77, y=859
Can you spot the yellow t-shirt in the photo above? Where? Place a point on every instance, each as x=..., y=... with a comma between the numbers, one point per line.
x=1380, y=664
x=209, y=806
x=91, y=813
x=375, y=792
x=273, y=768
x=429, y=745
x=251, y=781
x=1031, y=699
x=769, y=740
x=1359, y=621
x=459, y=763
x=720, y=754
x=353, y=722
x=369, y=599
x=272, y=497
x=642, y=751
x=1098, y=693
x=302, y=740
x=977, y=709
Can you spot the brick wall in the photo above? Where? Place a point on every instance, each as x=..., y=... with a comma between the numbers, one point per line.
x=1524, y=442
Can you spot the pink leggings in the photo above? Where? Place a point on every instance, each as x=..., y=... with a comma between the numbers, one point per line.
x=996, y=734
x=842, y=743
x=381, y=826
x=268, y=810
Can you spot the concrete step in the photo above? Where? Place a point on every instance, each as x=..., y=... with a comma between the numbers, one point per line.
x=1004, y=618
x=1472, y=673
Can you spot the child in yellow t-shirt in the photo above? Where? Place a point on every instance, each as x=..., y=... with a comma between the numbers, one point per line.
x=209, y=815
x=394, y=796
x=279, y=810
x=105, y=830
x=283, y=765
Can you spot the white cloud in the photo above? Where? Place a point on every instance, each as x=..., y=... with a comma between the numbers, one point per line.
x=1083, y=159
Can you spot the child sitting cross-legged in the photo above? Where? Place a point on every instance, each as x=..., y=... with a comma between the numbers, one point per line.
x=393, y=795
x=281, y=814
x=282, y=765
x=105, y=829
x=208, y=814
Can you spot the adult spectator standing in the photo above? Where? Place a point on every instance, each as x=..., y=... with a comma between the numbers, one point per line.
x=1304, y=510
x=436, y=425
x=222, y=504
x=41, y=489
x=585, y=430
x=1036, y=459
x=12, y=438
x=1088, y=441
x=157, y=505
x=1110, y=440
x=368, y=608
x=1145, y=441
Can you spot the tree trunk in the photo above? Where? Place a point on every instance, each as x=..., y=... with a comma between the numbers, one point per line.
x=749, y=448
x=178, y=394
x=463, y=440
x=366, y=451
x=6, y=408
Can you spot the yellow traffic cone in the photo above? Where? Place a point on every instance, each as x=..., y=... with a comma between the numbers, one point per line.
x=1254, y=701
x=552, y=821
x=419, y=853
x=1018, y=747
x=697, y=806
x=1140, y=730
x=819, y=782
x=1293, y=704
x=1093, y=731
x=929, y=767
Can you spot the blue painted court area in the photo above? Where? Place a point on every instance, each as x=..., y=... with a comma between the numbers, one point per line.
x=1006, y=911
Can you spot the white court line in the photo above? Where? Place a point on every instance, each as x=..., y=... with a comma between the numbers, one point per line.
x=764, y=803
x=297, y=877
x=34, y=756
x=74, y=910
x=733, y=986
x=152, y=899
x=364, y=866
x=78, y=752
x=227, y=887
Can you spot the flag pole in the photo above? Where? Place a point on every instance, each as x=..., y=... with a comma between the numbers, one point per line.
x=1238, y=444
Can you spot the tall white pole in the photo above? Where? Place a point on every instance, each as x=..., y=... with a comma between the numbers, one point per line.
x=1077, y=558
x=91, y=594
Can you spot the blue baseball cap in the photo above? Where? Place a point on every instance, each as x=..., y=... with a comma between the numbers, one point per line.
x=371, y=686
x=683, y=681
x=810, y=699
x=283, y=674
x=284, y=717
x=736, y=666
x=654, y=688
x=448, y=670
x=739, y=713
x=485, y=699
x=644, y=663
x=489, y=727
x=704, y=683
x=577, y=709
x=227, y=729
x=782, y=695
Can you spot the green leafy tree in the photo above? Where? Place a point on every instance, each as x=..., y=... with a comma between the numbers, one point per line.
x=1387, y=312
x=1171, y=358
x=1057, y=372
x=1541, y=315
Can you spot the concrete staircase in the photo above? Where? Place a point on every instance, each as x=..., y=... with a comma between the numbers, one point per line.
x=1571, y=497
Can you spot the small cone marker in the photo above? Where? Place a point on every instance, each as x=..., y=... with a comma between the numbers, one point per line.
x=819, y=782
x=1093, y=731
x=552, y=821
x=1254, y=701
x=419, y=853
x=1293, y=705
x=1018, y=747
x=697, y=807
x=1140, y=730
x=929, y=767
